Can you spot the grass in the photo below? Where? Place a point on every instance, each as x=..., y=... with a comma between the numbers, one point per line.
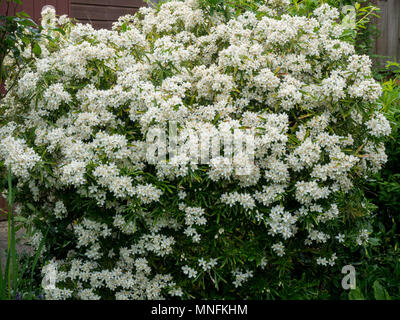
x=13, y=280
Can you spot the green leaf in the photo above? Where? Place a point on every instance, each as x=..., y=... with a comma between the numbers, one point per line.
x=37, y=254
x=356, y=294
x=31, y=207
x=22, y=14
x=37, y=50
x=380, y=292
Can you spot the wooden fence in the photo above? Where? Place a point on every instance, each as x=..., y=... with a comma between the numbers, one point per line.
x=34, y=7
x=100, y=13
x=388, y=42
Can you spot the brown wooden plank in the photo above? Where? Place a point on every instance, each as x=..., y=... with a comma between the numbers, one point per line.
x=63, y=7
x=381, y=41
x=98, y=24
x=398, y=38
x=28, y=7
x=52, y=3
x=3, y=8
x=387, y=43
x=36, y=13
x=393, y=28
x=9, y=8
x=36, y=6
x=113, y=3
x=39, y=4
x=90, y=12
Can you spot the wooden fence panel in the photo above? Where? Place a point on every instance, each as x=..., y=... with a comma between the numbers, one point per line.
x=12, y=8
x=102, y=13
x=388, y=42
x=34, y=7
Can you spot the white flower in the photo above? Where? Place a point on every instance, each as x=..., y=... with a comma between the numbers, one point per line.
x=379, y=126
x=241, y=277
x=363, y=237
x=279, y=249
x=340, y=237
x=190, y=272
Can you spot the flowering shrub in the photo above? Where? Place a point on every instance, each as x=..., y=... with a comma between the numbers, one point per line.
x=121, y=222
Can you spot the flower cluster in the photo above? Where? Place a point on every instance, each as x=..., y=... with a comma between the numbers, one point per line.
x=137, y=228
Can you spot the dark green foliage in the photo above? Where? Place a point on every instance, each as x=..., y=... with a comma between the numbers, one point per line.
x=17, y=33
x=383, y=190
